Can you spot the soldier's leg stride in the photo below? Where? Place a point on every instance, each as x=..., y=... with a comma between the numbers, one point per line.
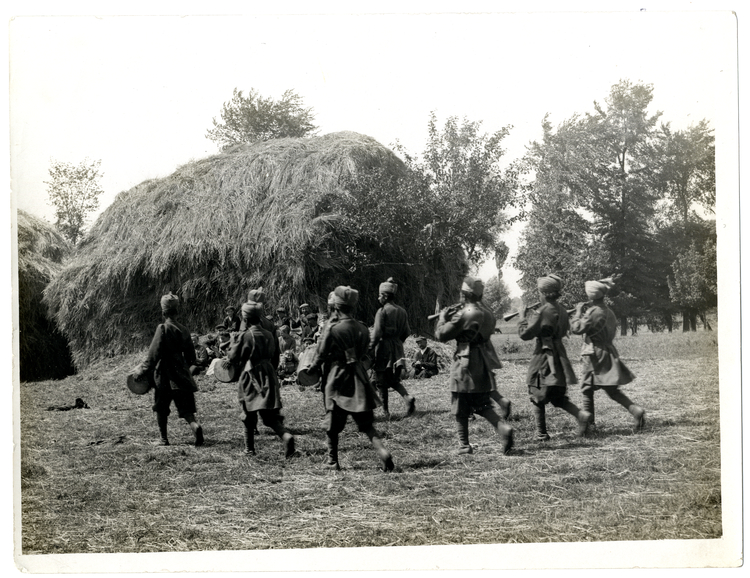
x=161, y=421
x=462, y=429
x=503, y=430
x=384, y=455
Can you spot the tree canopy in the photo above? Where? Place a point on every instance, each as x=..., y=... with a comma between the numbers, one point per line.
x=253, y=118
x=74, y=192
x=603, y=186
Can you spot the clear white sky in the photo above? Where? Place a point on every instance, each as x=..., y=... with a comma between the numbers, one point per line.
x=139, y=92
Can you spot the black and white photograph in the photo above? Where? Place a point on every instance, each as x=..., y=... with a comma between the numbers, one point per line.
x=415, y=287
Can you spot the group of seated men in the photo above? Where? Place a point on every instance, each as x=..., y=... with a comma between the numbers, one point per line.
x=295, y=335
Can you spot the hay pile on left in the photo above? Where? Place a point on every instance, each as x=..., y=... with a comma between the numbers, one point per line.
x=43, y=350
x=266, y=214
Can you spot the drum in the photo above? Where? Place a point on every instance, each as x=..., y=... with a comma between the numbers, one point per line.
x=226, y=372
x=304, y=375
x=138, y=386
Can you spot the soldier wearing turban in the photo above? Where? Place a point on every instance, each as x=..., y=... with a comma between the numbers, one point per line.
x=550, y=371
x=169, y=358
x=258, y=296
x=471, y=375
x=346, y=387
x=258, y=386
x=602, y=366
x=389, y=332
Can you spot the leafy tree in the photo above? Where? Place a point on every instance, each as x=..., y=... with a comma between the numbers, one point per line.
x=595, y=179
x=496, y=296
x=462, y=193
x=74, y=192
x=693, y=284
x=253, y=118
x=687, y=169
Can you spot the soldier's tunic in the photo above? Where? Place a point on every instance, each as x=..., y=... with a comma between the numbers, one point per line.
x=471, y=373
x=389, y=332
x=602, y=365
x=269, y=326
x=169, y=357
x=258, y=386
x=549, y=370
x=346, y=386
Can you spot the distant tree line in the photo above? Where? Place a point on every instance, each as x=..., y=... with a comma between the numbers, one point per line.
x=614, y=191
x=611, y=191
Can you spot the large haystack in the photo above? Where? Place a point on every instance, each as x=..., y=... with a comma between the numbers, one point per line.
x=266, y=215
x=44, y=352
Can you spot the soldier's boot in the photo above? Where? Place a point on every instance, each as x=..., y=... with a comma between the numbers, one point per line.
x=588, y=405
x=540, y=419
x=409, y=399
x=384, y=397
x=384, y=455
x=502, y=429
x=462, y=429
x=161, y=421
x=503, y=402
x=196, y=427
x=639, y=416
x=249, y=439
x=583, y=417
x=636, y=411
x=333, y=452
x=286, y=437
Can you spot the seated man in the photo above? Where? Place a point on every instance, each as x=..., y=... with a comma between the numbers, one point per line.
x=424, y=362
x=201, y=355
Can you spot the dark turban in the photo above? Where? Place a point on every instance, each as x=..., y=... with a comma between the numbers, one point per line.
x=345, y=296
x=473, y=286
x=389, y=286
x=256, y=295
x=169, y=302
x=252, y=307
x=549, y=284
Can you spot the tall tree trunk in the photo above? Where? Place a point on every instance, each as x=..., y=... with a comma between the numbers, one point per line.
x=685, y=321
x=668, y=321
x=693, y=321
x=623, y=326
x=704, y=320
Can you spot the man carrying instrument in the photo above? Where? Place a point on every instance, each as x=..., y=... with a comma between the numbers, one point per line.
x=389, y=332
x=471, y=374
x=170, y=356
x=259, y=296
x=346, y=387
x=550, y=370
x=258, y=386
x=602, y=366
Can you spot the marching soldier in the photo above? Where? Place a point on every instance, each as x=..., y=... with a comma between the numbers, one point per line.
x=471, y=374
x=170, y=356
x=258, y=386
x=346, y=387
x=602, y=366
x=389, y=332
x=550, y=370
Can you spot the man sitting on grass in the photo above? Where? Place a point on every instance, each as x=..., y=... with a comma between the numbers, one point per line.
x=424, y=363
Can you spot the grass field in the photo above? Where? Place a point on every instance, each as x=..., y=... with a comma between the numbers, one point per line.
x=93, y=481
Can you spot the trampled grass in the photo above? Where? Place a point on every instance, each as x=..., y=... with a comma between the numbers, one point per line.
x=92, y=480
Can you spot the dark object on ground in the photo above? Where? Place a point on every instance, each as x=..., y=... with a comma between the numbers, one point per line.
x=79, y=404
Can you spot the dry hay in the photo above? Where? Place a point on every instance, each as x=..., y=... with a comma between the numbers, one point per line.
x=43, y=350
x=266, y=214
